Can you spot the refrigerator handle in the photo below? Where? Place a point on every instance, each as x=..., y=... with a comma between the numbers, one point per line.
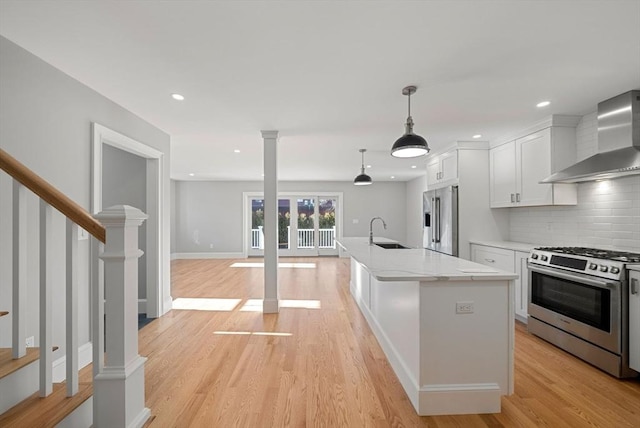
x=438, y=219
x=434, y=214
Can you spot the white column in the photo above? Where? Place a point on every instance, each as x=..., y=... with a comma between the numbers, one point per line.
x=270, y=304
x=119, y=386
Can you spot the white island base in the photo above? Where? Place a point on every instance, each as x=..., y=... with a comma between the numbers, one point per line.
x=448, y=363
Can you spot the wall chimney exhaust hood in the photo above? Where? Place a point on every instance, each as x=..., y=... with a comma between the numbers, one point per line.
x=618, y=143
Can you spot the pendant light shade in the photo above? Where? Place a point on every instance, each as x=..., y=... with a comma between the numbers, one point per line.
x=409, y=145
x=362, y=179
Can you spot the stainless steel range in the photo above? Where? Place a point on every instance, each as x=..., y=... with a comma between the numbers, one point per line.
x=578, y=300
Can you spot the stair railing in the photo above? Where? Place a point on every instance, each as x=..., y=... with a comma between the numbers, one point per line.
x=118, y=384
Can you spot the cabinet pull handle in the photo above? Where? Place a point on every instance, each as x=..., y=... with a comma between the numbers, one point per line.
x=517, y=197
x=513, y=197
x=634, y=285
x=490, y=260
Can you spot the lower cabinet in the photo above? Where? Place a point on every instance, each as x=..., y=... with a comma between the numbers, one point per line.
x=510, y=261
x=634, y=320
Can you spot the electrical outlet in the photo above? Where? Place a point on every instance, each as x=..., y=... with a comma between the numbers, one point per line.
x=464, y=307
x=31, y=342
x=210, y=245
x=356, y=221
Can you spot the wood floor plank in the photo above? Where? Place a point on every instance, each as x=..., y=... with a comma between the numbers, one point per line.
x=212, y=369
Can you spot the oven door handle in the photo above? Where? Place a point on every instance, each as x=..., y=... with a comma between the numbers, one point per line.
x=584, y=279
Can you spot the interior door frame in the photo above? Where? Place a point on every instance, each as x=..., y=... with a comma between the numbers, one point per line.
x=246, y=210
x=153, y=304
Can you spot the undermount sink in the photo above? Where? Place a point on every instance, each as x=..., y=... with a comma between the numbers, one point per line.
x=391, y=245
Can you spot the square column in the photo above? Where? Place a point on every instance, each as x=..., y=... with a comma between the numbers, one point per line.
x=118, y=388
x=270, y=303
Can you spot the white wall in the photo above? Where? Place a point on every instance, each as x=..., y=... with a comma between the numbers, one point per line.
x=45, y=122
x=607, y=214
x=414, y=222
x=209, y=213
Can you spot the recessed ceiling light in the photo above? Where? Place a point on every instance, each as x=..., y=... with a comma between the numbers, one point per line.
x=236, y=151
x=477, y=136
x=177, y=97
x=368, y=166
x=543, y=103
x=191, y=174
x=393, y=176
x=413, y=167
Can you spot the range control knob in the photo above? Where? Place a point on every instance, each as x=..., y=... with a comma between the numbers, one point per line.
x=615, y=269
x=544, y=258
x=534, y=256
x=593, y=266
x=603, y=268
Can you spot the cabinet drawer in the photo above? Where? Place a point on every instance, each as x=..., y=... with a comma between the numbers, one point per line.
x=495, y=257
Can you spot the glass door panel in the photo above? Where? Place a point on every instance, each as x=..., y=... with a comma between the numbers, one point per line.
x=306, y=223
x=256, y=237
x=326, y=224
x=284, y=221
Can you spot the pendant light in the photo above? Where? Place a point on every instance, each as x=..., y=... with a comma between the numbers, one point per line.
x=362, y=179
x=409, y=145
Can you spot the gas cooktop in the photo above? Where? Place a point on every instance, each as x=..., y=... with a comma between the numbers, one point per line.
x=620, y=256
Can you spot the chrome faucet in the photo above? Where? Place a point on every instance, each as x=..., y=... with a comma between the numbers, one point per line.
x=371, y=228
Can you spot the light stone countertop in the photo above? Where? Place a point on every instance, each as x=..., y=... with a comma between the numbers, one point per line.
x=508, y=245
x=417, y=264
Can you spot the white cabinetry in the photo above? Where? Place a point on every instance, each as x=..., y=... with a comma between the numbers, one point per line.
x=510, y=261
x=634, y=320
x=442, y=169
x=518, y=166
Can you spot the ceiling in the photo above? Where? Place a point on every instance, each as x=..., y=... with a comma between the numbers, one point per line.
x=328, y=75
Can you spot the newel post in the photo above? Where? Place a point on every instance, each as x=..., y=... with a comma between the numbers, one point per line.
x=118, y=388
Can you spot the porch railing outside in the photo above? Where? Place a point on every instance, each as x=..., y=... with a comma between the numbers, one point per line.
x=306, y=238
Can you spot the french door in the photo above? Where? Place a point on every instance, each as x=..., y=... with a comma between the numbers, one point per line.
x=307, y=224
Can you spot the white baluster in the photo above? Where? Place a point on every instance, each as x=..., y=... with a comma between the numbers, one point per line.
x=19, y=299
x=72, y=308
x=46, y=283
x=119, y=386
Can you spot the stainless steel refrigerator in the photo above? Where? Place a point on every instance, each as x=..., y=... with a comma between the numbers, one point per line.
x=440, y=219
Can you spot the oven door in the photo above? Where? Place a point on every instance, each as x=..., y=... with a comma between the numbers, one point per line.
x=582, y=305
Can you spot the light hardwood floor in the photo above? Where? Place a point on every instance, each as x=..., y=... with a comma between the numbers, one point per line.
x=214, y=368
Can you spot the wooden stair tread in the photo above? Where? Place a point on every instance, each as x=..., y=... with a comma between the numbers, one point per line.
x=8, y=365
x=46, y=412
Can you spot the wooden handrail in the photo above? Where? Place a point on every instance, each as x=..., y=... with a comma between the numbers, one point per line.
x=51, y=195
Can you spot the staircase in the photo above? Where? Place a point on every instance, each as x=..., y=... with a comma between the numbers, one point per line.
x=108, y=391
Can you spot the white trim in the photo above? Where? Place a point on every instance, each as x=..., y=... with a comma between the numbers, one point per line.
x=155, y=191
x=173, y=256
x=85, y=356
x=553, y=120
x=142, y=306
x=181, y=256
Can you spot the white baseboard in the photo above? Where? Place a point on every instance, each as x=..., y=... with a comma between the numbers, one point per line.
x=173, y=256
x=85, y=356
x=208, y=256
x=142, y=306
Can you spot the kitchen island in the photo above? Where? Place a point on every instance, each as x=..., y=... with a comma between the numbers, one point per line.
x=445, y=324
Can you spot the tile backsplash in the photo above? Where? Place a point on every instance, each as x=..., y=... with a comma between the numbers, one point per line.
x=607, y=214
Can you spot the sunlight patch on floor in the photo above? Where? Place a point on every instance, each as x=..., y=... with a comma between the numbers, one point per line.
x=281, y=265
x=204, y=304
x=255, y=305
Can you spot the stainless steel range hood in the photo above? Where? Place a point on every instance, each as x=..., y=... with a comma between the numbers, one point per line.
x=618, y=143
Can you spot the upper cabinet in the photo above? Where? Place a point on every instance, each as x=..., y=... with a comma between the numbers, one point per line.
x=442, y=169
x=517, y=167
